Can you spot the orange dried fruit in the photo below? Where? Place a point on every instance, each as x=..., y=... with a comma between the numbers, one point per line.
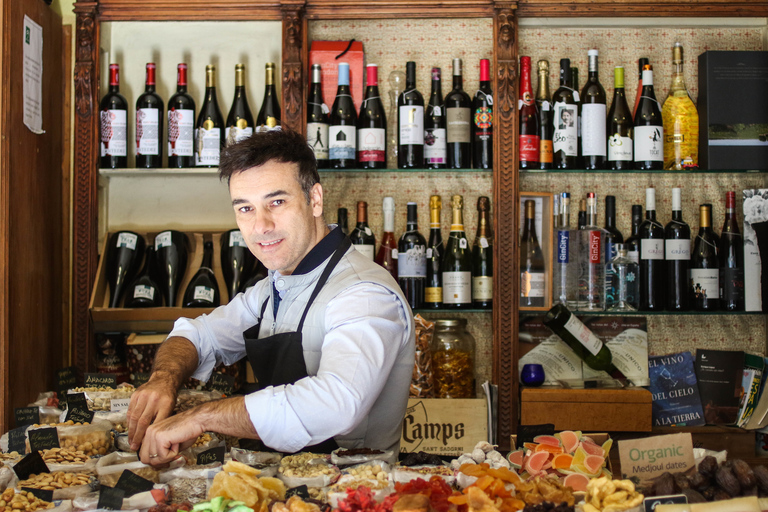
x=549, y=448
x=504, y=475
x=477, y=470
x=562, y=461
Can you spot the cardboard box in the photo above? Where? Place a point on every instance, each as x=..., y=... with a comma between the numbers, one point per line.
x=611, y=410
x=444, y=426
x=733, y=110
x=328, y=54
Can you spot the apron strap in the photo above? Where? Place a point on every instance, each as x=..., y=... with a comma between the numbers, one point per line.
x=346, y=243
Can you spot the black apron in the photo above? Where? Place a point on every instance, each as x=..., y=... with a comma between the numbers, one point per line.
x=279, y=359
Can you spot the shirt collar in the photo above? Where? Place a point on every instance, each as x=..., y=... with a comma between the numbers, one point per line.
x=320, y=252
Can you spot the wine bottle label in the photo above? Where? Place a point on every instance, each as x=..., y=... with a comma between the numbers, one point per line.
x=457, y=287
x=411, y=124
x=649, y=143
x=142, y=291
x=203, y=293
x=529, y=148
x=342, y=142
x=371, y=145
x=163, y=240
x=208, y=146
x=677, y=249
x=532, y=284
x=181, y=132
x=234, y=134
x=619, y=148
x=634, y=256
x=482, y=288
x=435, y=146
x=566, y=135
x=413, y=262
x=732, y=284
x=127, y=240
x=651, y=249
x=433, y=295
x=545, y=151
x=584, y=335
x=236, y=239
x=483, y=119
x=563, y=243
x=595, y=239
x=114, y=133
x=593, y=140
x=457, y=124
x=317, y=138
x=705, y=283
x=429, y=252
x=367, y=250
x=147, y=131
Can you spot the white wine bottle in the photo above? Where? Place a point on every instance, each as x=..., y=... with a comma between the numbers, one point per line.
x=457, y=262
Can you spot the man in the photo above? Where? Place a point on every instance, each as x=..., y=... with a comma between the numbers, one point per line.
x=566, y=118
x=329, y=334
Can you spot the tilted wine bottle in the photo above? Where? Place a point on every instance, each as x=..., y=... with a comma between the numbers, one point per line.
x=171, y=250
x=144, y=292
x=149, y=124
x=240, y=118
x=181, y=124
x=114, y=130
x=124, y=251
x=209, y=130
x=237, y=261
x=203, y=290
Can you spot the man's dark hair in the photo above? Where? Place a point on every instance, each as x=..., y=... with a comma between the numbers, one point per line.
x=284, y=146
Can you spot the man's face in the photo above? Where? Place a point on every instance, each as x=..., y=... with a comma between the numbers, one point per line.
x=272, y=212
x=566, y=115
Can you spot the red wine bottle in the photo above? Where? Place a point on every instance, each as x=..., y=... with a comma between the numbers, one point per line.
x=435, y=148
x=124, y=251
x=387, y=255
x=237, y=261
x=410, y=123
x=677, y=252
x=649, y=129
x=412, y=260
x=482, y=120
x=565, y=137
x=181, y=124
x=317, y=119
x=705, y=272
x=144, y=292
x=731, y=254
x=372, y=125
x=633, y=242
x=171, y=250
x=482, y=257
x=269, y=113
x=343, y=130
x=544, y=105
x=149, y=124
x=362, y=237
x=203, y=290
x=529, y=119
x=593, y=117
x=458, y=111
x=240, y=119
x=209, y=129
x=433, y=292
x=114, y=115
x=653, y=285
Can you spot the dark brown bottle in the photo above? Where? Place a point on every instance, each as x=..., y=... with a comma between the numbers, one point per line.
x=203, y=290
x=731, y=254
x=458, y=109
x=149, y=124
x=482, y=257
x=181, y=124
x=114, y=116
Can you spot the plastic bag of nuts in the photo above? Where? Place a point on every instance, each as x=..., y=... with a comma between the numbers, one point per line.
x=422, y=384
x=10, y=501
x=93, y=440
x=65, y=485
x=68, y=459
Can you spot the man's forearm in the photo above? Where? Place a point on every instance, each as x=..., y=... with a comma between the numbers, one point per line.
x=176, y=360
x=228, y=416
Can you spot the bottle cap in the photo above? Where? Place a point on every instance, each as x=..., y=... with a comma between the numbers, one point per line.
x=151, y=73
x=388, y=204
x=343, y=73
x=182, y=74
x=114, y=74
x=485, y=70
x=647, y=77
x=730, y=200
x=317, y=73
x=650, y=199
x=592, y=53
x=456, y=67
x=618, y=77
x=372, y=74
x=435, y=73
x=677, y=202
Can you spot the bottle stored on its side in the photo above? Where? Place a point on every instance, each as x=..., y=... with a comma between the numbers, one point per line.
x=124, y=251
x=563, y=271
x=203, y=290
x=372, y=125
x=237, y=261
x=410, y=122
x=387, y=254
x=181, y=124
x=457, y=262
x=653, y=288
x=649, y=129
x=341, y=220
x=620, y=127
x=641, y=63
x=240, y=120
x=633, y=242
x=482, y=120
x=362, y=236
x=593, y=118
x=612, y=237
x=532, y=269
x=545, y=116
x=677, y=252
x=731, y=254
x=681, y=120
x=433, y=292
x=269, y=113
x=565, y=137
x=591, y=261
x=705, y=272
x=482, y=257
x=144, y=292
x=412, y=260
x=171, y=250
x=114, y=130
x=149, y=124
x=528, y=120
x=209, y=129
x=317, y=119
x=342, y=134
x=458, y=112
x=435, y=145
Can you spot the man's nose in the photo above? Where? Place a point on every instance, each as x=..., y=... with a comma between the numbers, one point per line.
x=263, y=222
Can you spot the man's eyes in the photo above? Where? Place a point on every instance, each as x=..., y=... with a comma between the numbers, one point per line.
x=244, y=209
x=277, y=202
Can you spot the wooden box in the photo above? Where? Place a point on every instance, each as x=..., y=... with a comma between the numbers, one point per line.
x=544, y=225
x=599, y=410
x=444, y=426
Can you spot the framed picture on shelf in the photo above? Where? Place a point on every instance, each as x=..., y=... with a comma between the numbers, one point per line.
x=536, y=251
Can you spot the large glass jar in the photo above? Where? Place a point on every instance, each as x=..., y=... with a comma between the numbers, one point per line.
x=453, y=359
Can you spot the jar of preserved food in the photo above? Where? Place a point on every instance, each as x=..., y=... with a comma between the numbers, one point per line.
x=453, y=359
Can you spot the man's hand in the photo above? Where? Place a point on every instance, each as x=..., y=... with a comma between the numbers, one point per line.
x=166, y=438
x=152, y=402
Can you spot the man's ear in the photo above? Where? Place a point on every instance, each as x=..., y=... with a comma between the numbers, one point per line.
x=316, y=200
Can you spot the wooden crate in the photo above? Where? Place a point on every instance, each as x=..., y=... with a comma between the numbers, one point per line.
x=444, y=426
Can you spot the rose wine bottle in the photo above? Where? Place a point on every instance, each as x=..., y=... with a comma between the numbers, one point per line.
x=203, y=290
x=114, y=115
x=209, y=129
x=149, y=124
x=387, y=255
x=181, y=124
x=240, y=118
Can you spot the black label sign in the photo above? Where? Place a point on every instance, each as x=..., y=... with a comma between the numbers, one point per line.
x=41, y=494
x=132, y=483
x=651, y=503
x=78, y=415
x=26, y=416
x=251, y=444
x=32, y=464
x=100, y=380
x=210, y=456
x=301, y=491
x=526, y=433
x=110, y=498
x=17, y=440
x=223, y=383
x=140, y=379
x=77, y=400
x=43, y=439
x=66, y=378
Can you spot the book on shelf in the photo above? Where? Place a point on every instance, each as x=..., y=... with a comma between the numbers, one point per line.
x=759, y=417
x=719, y=375
x=674, y=391
x=751, y=378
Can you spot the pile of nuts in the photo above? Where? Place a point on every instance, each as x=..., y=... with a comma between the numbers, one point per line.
x=301, y=466
x=203, y=440
x=92, y=444
x=9, y=456
x=55, y=480
x=100, y=398
x=68, y=423
x=369, y=472
x=69, y=455
x=21, y=502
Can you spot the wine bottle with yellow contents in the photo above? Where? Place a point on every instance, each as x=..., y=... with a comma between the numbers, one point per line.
x=457, y=262
x=681, y=120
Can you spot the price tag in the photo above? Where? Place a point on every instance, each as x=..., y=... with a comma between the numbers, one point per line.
x=32, y=464
x=463, y=243
x=131, y=483
x=26, y=416
x=110, y=498
x=526, y=433
x=213, y=455
x=437, y=110
x=484, y=243
x=40, y=494
x=301, y=491
x=325, y=109
x=545, y=106
x=17, y=440
x=429, y=252
x=101, y=380
x=489, y=99
x=576, y=96
x=119, y=404
x=651, y=503
x=519, y=104
x=395, y=253
x=79, y=415
x=223, y=383
x=139, y=379
x=43, y=439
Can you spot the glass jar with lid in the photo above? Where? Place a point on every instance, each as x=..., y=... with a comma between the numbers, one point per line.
x=453, y=359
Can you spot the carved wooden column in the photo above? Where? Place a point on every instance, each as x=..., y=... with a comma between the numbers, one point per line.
x=85, y=200
x=295, y=58
x=506, y=198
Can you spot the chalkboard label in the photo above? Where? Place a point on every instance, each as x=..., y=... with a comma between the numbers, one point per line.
x=651, y=503
x=223, y=383
x=41, y=494
x=301, y=491
x=26, y=416
x=32, y=464
x=140, y=379
x=43, y=439
x=110, y=498
x=100, y=380
x=210, y=456
x=17, y=440
x=78, y=415
x=132, y=483
x=254, y=445
x=66, y=378
x=77, y=400
x=526, y=433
